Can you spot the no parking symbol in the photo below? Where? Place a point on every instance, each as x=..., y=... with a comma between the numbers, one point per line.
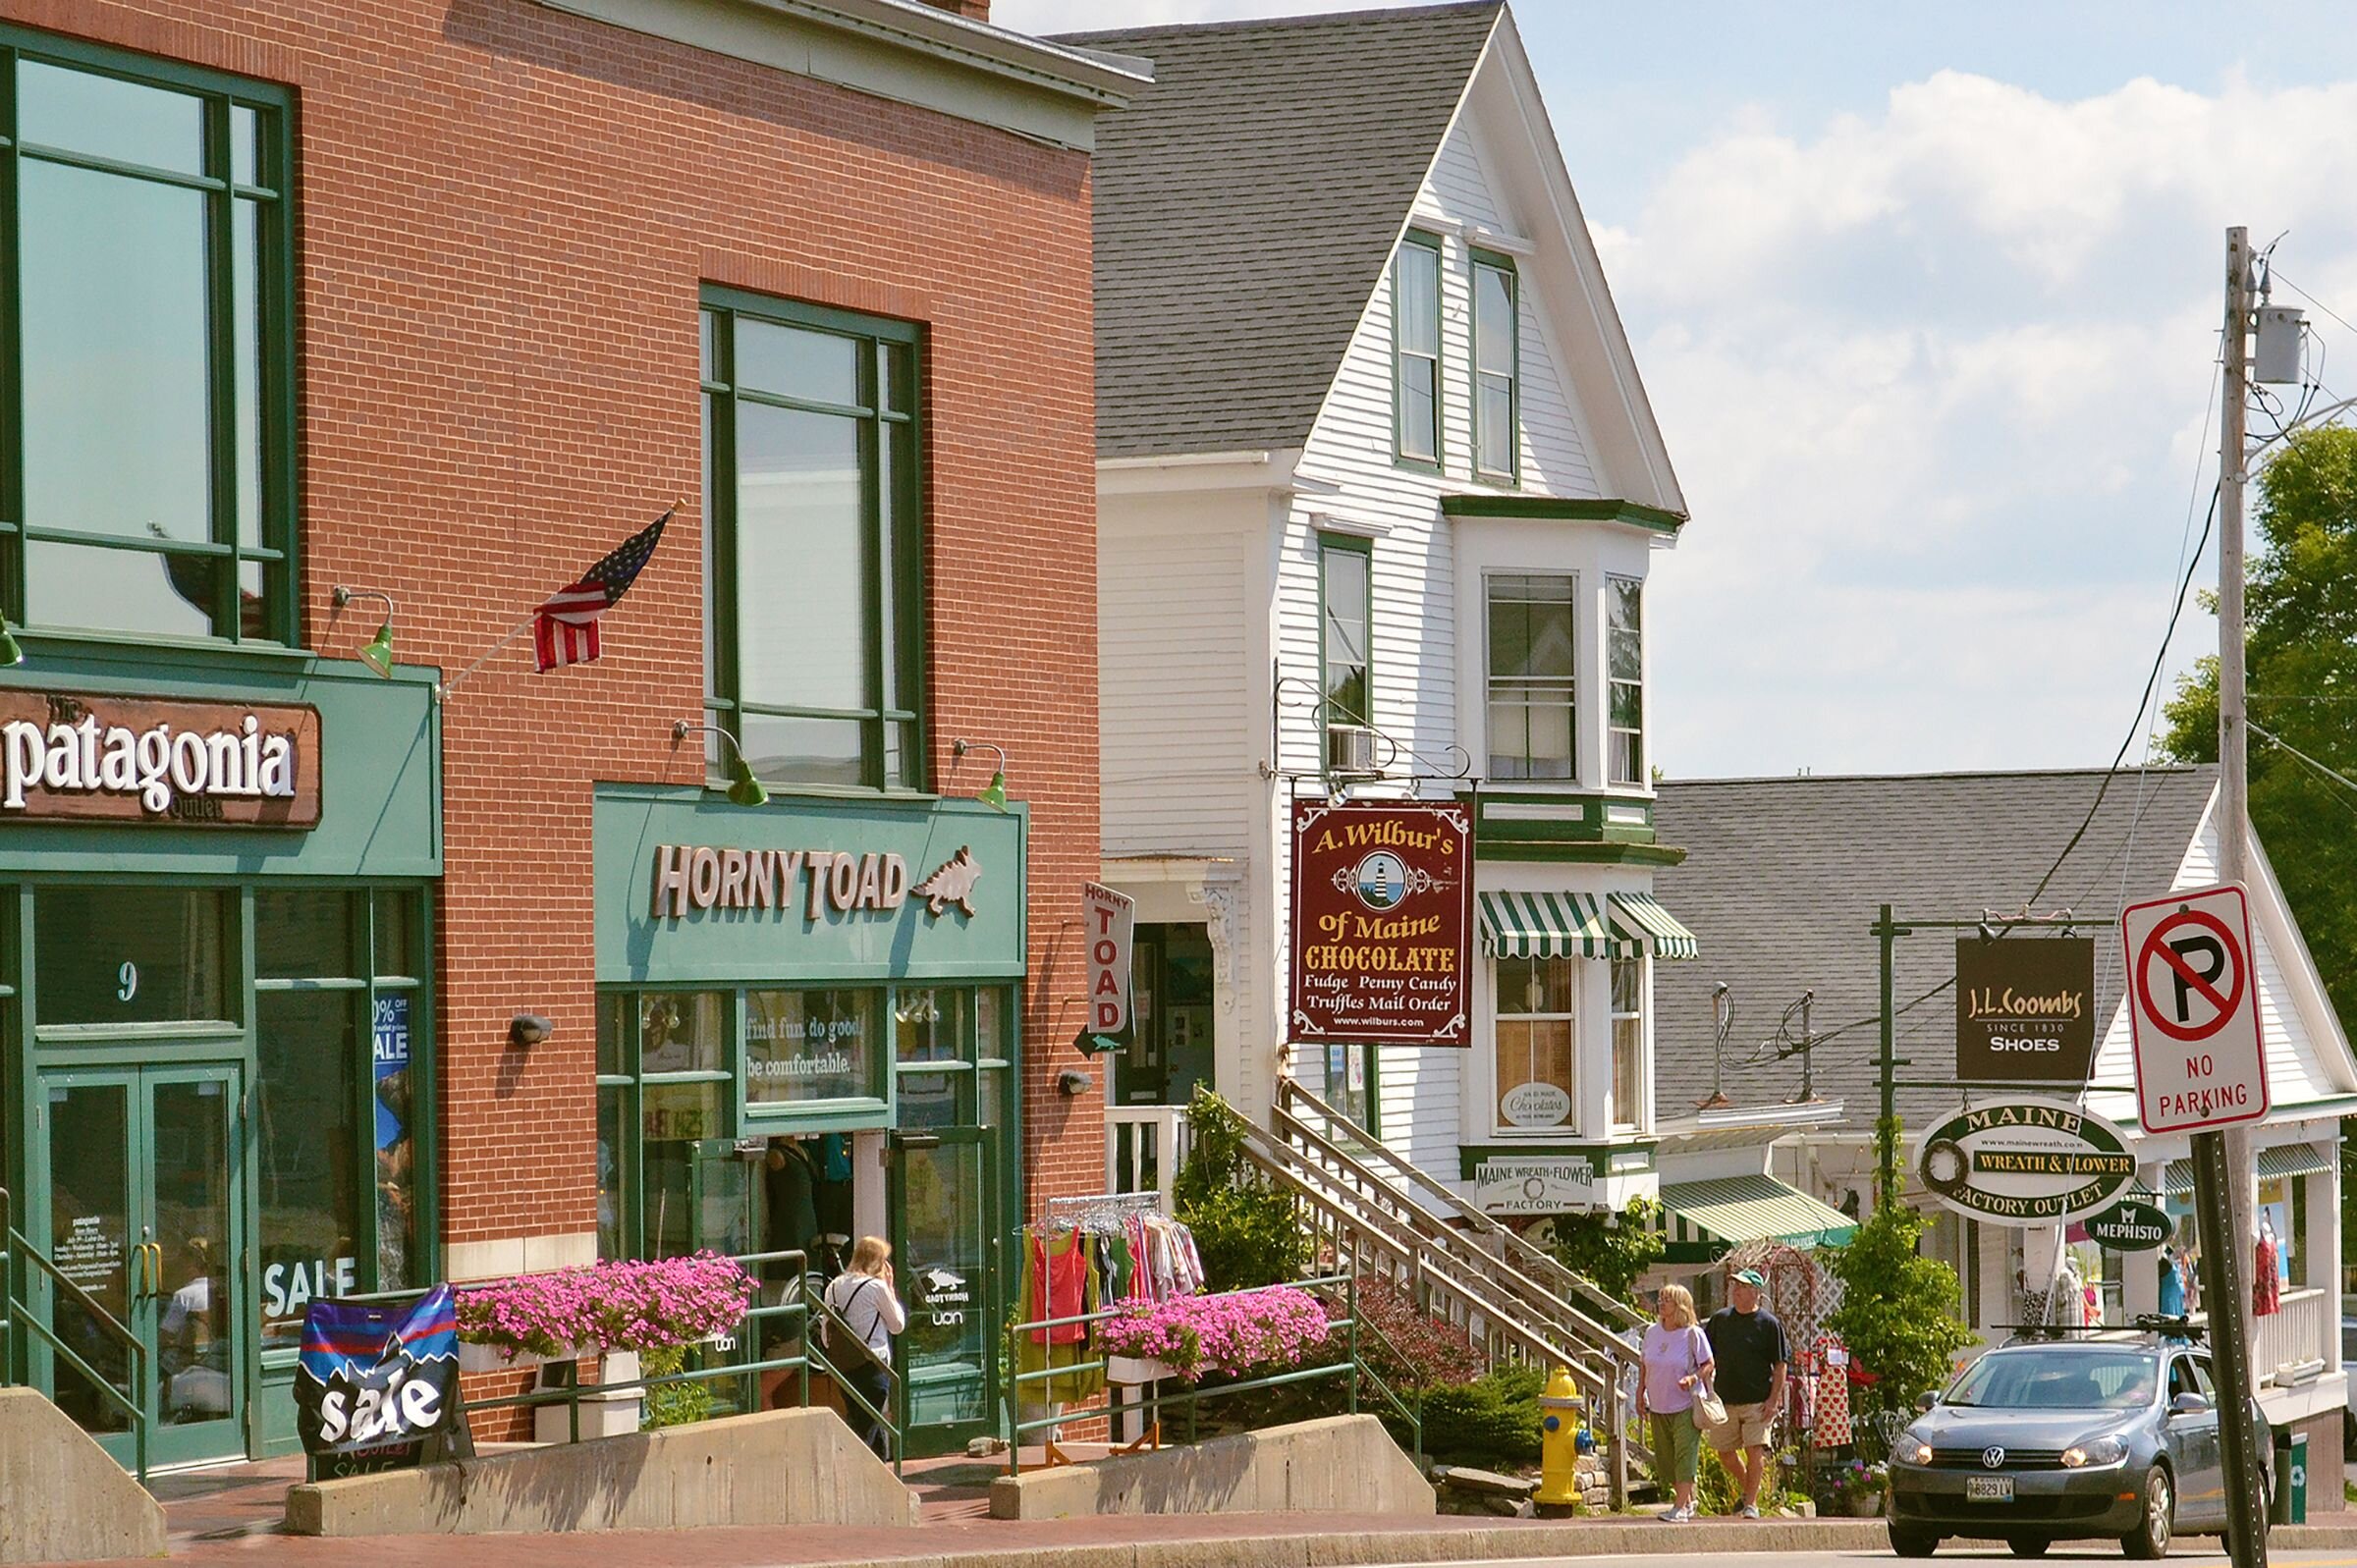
x=2193, y=1010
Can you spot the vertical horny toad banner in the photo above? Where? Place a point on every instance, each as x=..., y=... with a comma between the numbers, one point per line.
x=1383, y=918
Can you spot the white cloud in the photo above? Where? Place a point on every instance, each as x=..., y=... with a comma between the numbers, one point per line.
x=1932, y=380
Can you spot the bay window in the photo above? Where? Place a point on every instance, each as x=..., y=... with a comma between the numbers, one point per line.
x=1624, y=659
x=1531, y=685
x=1628, y=1043
x=1537, y=1043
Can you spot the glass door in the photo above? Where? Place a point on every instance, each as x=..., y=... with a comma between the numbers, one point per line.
x=145, y=1214
x=944, y=1219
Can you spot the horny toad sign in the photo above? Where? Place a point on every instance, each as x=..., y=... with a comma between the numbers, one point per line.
x=2025, y=1162
x=86, y=757
x=1383, y=902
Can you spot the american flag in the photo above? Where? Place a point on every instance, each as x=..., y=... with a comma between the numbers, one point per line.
x=565, y=628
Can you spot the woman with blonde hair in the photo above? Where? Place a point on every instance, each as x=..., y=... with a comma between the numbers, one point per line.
x=1677, y=1367
x=862, y=1297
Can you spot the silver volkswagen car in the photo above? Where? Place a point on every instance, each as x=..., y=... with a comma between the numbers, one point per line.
x=2112, y=1434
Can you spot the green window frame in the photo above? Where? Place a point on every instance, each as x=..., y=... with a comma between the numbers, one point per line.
x=1532, y=627
x=693, y=1102
x=1417, y=393
x=1345, y=637
x=146, y=207
x=1497, y=368
x=814, y=640
x=1625, y=671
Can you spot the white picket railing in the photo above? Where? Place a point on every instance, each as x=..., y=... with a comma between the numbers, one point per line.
x=2299, y=1330
x=1145, y=1146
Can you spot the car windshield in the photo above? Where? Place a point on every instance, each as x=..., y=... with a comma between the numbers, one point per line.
x=2058, y=1379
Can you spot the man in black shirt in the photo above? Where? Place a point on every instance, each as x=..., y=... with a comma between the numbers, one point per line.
x=1748, y=1345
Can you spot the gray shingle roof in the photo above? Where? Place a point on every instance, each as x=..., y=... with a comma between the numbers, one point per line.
x=1246, y=204
x=1784, y=876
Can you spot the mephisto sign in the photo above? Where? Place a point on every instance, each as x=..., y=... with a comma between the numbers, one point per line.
x=81, y=757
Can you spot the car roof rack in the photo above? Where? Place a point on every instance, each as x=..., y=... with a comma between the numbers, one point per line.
x=2143, y=1324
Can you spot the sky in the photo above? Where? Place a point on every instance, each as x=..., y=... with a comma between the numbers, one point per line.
x=1926, y=301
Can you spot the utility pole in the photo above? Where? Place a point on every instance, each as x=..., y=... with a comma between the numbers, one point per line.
x=2221, y=1160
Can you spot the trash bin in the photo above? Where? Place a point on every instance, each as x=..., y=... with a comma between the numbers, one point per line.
x=2291, y=1479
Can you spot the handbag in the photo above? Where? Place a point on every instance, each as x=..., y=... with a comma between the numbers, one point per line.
x=1710, y=1411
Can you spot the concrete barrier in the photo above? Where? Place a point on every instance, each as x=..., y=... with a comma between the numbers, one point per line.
x=63, y=1498
x=780, y=1467
x=1341, y=1464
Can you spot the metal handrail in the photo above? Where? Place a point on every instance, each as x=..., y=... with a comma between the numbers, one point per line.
x=1353, y=1365
x=14, y=1245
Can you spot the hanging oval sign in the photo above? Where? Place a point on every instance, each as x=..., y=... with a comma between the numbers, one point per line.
x=2132, y=1227
x=2025, y=1162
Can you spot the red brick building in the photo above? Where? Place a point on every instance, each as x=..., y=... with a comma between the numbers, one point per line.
x=442, y=301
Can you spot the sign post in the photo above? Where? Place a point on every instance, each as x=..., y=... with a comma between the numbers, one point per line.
x=2193, y=1010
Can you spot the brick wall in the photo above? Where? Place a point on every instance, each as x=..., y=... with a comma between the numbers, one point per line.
x=505, y=216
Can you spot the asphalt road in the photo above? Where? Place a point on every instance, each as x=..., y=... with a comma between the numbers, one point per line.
x=2188, y=1554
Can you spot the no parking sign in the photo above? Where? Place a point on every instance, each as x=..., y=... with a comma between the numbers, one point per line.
x=2193, y=1010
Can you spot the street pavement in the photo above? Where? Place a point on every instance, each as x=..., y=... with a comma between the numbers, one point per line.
x=2194, y=1553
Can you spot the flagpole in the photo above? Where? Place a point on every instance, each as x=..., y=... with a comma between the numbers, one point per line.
x=444, y=688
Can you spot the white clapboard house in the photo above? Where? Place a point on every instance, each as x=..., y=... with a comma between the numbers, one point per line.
x=1379, y=492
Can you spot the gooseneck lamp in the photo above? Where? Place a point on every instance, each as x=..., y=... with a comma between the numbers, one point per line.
x=744, y=788
x=10, y=653
x=993, y=793
x=377, y=652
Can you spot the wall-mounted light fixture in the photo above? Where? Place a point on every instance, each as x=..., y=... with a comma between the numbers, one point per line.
x=10, y=653
x=744, y=788
x=993, y=793
x=528, y=1029
x=1072, y=1081
x=377, y=653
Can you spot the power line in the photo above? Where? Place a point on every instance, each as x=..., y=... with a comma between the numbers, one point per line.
x=2278, y=276
x=2339, y=779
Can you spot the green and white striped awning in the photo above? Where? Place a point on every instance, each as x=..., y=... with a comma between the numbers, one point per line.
x=1546, y=925
x=2284, y=1160
x=1705, y=1220
x=1641, y=917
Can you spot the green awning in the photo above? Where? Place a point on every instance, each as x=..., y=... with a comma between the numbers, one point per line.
x=1545, y=925
x=1705, y=1220
x=1640, y=917
x=2284, y=1160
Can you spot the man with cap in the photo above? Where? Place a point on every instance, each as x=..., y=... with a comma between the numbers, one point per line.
x=1748, y=1344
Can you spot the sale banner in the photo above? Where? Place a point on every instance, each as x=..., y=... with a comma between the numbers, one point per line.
x=1382, y=923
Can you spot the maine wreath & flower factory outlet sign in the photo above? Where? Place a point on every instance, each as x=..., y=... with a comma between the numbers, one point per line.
x=1382, y=912
x=2025, y=1162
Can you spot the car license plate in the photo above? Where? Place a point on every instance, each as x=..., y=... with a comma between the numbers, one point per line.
x=1987, y=1488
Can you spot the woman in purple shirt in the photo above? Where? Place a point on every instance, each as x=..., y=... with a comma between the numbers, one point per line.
x=1677, y=1365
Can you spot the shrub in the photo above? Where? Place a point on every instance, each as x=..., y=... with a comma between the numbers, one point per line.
x=1493, y=1418
x=673, y=1404
x=1612, y=1250
x=1415, y=1350
x=1246, y=1230
x=1898, y=1310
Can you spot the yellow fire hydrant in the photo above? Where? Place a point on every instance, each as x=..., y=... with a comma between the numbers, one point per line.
x=1559, y=1442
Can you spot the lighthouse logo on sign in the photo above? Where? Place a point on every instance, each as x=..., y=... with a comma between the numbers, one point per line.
x=2193, y=1010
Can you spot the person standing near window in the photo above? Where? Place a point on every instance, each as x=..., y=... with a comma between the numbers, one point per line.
x=863, y=1297
x=1749, y=1346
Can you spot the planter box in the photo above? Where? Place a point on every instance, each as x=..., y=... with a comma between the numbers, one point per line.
x=1134, y=1370
x=488, y=1357
x=614, y=1415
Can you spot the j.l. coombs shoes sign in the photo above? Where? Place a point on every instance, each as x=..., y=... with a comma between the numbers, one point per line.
x=82, y=757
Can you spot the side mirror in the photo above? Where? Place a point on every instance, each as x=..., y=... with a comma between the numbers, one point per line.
x=2189, y=1404
x=1925, y=1401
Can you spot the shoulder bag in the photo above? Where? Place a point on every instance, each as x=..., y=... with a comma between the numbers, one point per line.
x=1710, y=1411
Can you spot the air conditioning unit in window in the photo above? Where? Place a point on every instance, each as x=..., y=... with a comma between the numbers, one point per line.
x=1351, y=751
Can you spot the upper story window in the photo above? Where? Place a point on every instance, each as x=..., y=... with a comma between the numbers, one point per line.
x=1345, y=617
x=1628, y=1043
x=1416, y=347
x=147, y=479
x=1497, y=348
x=814, y=600
x=1538, y=1060
x=1531, y=693
x=1624, y=659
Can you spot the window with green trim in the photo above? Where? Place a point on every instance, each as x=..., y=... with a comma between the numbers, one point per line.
x=814, y=613
x=1497, y=350
x=1624, y=661
x=146, y=347
x=1532, y=675
x=1416, y=347
x=1345, y=618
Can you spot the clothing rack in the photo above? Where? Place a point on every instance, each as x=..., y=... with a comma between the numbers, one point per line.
x=1098, y=1214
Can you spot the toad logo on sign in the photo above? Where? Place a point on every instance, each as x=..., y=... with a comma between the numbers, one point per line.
x=2193, y=1010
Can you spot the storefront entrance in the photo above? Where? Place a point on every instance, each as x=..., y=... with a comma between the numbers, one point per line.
x=146, y=1214
x=945, y=1232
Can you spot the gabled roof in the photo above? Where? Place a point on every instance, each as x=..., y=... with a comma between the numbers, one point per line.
x=1782, y=878
x=1246, y=204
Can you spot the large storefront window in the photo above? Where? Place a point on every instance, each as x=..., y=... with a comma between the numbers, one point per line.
x=1538, y=1079
x=132, y=955
x=151, y=256
x=952, y=1053
x=804, y=1046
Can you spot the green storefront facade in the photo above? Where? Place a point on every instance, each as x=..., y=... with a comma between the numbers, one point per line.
x=217, y=878
x=821, y=995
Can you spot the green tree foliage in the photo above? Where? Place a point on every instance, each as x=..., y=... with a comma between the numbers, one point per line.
x=2300, y=606
x=1612, y=1250
x=1245, y=1227
x=1898, y=1310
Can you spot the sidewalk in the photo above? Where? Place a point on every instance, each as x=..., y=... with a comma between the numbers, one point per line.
x=229, y=1516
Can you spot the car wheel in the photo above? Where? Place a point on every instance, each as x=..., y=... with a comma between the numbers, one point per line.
x=2029, y=1545
x=2150, y=1538
x=1910, y=1540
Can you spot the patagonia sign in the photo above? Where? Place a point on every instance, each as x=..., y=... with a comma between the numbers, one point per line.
x=2025, y=1009
x=1382, y=916
x=2130, y=1227
x=374, y=1383
x=84, y=757
x=2025, y=1162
